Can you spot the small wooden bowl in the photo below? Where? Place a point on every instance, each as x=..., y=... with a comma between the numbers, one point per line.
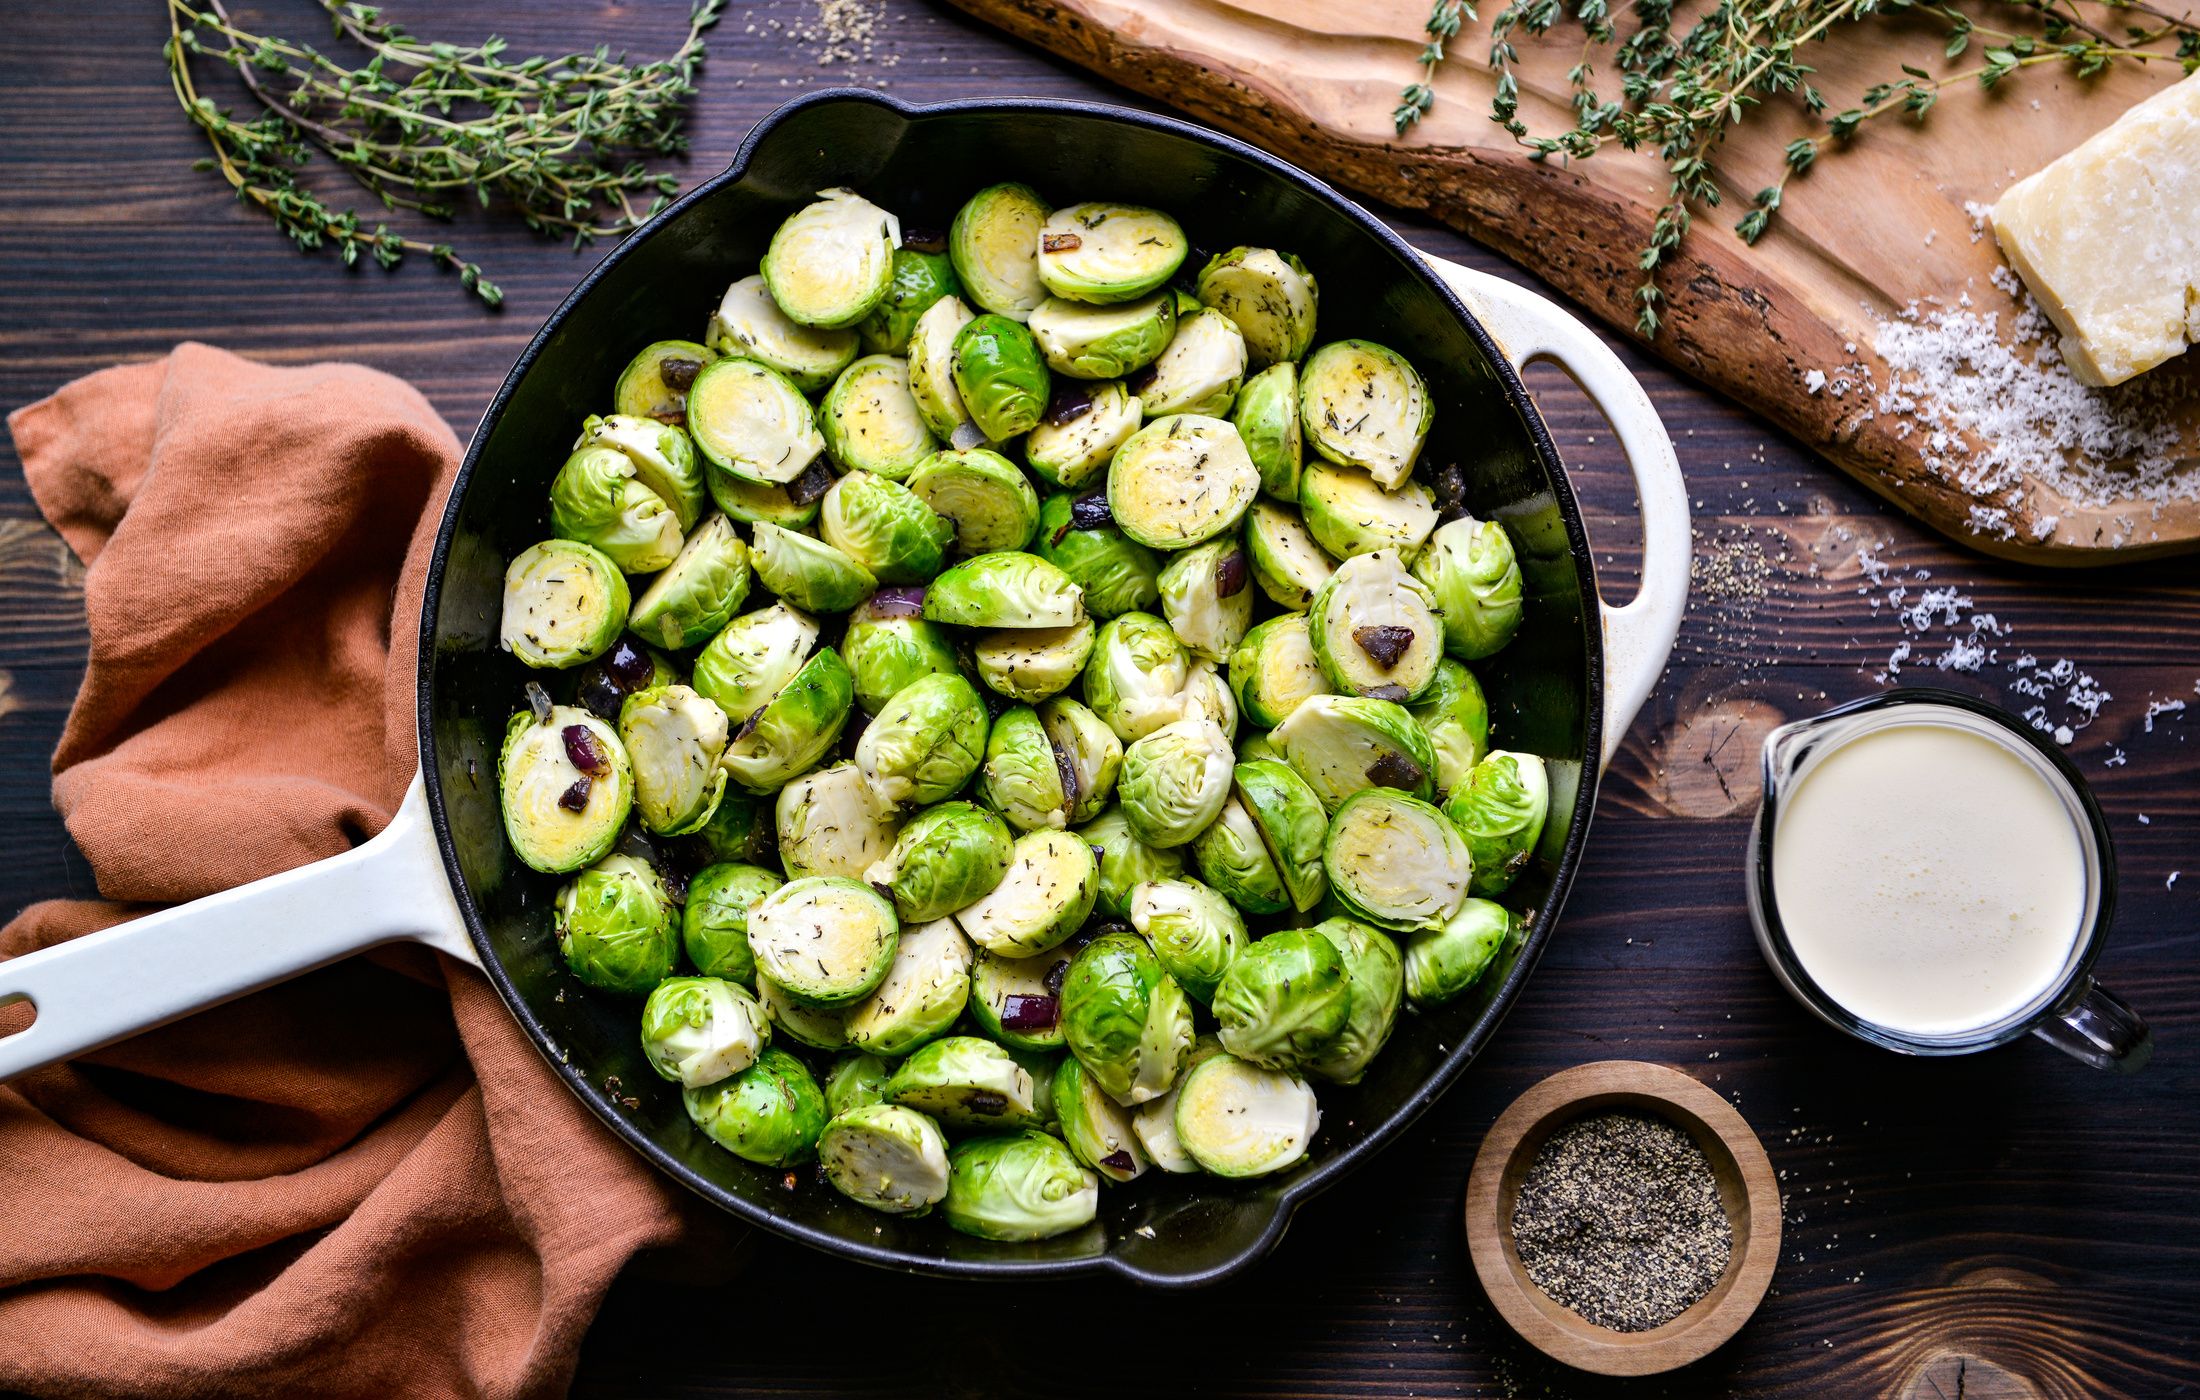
x=1747, y=1188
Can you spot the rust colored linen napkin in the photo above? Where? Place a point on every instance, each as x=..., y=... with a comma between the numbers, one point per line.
x=364, y=1182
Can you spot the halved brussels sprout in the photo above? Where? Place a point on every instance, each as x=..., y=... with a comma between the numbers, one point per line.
x=1078, y=436
x=994, y=243
x=932, y=373
x=1443, y=962
x=1475, y=574
x=1292, y=824
x=1237, y=1119
x=1267, y=417
x=1206, y=594
x=1024, y=1186
x=819, y=1027
x=614, y=926
x=797, y=728
x=1287, y=564
x=1196, y=934
x=1077, y=536
x=923, y=994
x=808, y=573
x=698, y=1030
x=1007, y=589
x=1273, y=670
x=663, y=458
x=1001, y=377
x=1456, y=718
x=1086, y=753
x=885, y=527
x=565, y=786
x=1395, y=861
x=832, y=260
x=1378, y=977
x=1125, y=862
x=945, y=858
x=770, y=1113
x=655, y=382
x=565, y=603
x=1135, y=680
x=1105, y=253
x=1095, y=1126
x=1045, y=897
x=983, y=495
x=1284, y=1000
x=918, y=280
x=1023, y=779
x=1125, y=1018
x=1269, y=296
x=855, y=1080
x=1257, y=744
x=597, y=499
x=1362, y=405
x=1234, y=859
x=1375, y=629
x=1175, y=781
x=1181, y=481
x=889, y=645
x=1342, y=744
x=749, y=502
x=749, y=419
x=964, y=1082
x=887, y=1157
x=1500, y=810
x=1103, y=342
x=714, y=927
x=699, y=592
x=1348, y=514
x=752, y=660
x=1032, y=663
x=827, y=940
x=1198, y=371
x=1155, y=1120
x=828, y=825
x=674, y=739
x=740, y=830
x=750, y=324
x=924, y=744
x=1018, y=1001
x=870, y=422
x=1207, y=697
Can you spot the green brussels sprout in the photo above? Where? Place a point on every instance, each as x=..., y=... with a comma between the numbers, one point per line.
x=983, y=495
x=597, y=499
x=558, y=815
x=1283, y=1001
x=1018, y=1001
x=699, y=1030
x=855, y=1080
x=819, y=1027
x=614, y=926
x=1087, y=754
x=1004, y=590
x=808, y=573
x=924, y=744
x=870, y=422
x=1375, y=629
x=655, y=382
x=1033, y=663
x=1021, y=778
x=1105, y=253
x=1022, y=1186
x=1207, y=697
x=1273, y=670
x=1180, y=481
x=831, y=261
x=828, y=824
x=1135, y=680
x=1293, y=825
x=1500, y=809
x=1240, y=1120
x=1445, y=961
x=1206, y=596
x=754, y=658
x=749, y=502
x=1125, y=1018
x=994, y=244
x=565, y=603
x=663, y=459
x=1095, y=1126
x=932, y=373
x=674, y=738
x=1103, y=342
x=750, y=420
x=740, y=830
x=699, y=592
x=946, y=858
x=1258, y=744
x=1040, y=1065
x=1269, y=296
x=918, y=280
x=964, y=1082
x=1045, y=897
x=770, y=1113
x=714, y=927
x=1343, y=743
x=1154, y=1121
x=1287, y=564
x=1395, y=861
x=1084, y=426
x=826, y=940
x=1125, y=862
x=889, y=645
x=887, y=1157
x=749, y=324
x=1266, y=415
x=1175, y=781
x=1348, y=514
x=1001, y=377
x=1118, y=575
x=882, y=525
x=1456, y=718
x=1232, y=857
x=1362, y=405
x=1474, y=573
x=923, y=994
x=1378, y=976
x=1196, y=933
x=798, y=727
x=1198, y=371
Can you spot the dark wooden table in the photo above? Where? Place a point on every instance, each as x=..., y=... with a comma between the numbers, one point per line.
x=2010, y=1224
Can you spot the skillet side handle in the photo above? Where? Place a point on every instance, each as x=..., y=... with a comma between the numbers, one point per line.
x=109, y=985
x=1638, y=638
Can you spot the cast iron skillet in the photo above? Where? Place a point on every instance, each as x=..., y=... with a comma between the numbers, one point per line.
x=1546, y=690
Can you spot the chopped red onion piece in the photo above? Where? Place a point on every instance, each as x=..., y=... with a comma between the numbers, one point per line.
x=575, y=798
x=629, y=665
x=815, y=481
x=1232, y=571
x=1119, y=1161
x=587, y=754
x=1056, y=975
x=538, y=700
x=600, y=695
x=1065, y=767
x=1385, y=644
x=1028, y=1013
x=1060, y=242
x=1396, y=770
x=1069, y=402
x=905, y=601
x=987, y=1102
x=679, y=373
x=1090, y=511
x=923, y=238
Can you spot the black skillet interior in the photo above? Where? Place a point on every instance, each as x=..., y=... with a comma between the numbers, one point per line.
x=921, y=163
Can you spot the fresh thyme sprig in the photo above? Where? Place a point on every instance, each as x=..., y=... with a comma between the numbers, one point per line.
x=1444, y=20
x=422, y=123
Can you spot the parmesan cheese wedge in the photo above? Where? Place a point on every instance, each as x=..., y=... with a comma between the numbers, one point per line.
x=2108, y=238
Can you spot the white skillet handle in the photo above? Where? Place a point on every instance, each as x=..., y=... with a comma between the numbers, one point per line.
x=1638, y=637
x=109, y=985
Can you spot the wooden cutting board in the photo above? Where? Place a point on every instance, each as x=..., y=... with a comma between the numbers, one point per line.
x=1794, y=327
